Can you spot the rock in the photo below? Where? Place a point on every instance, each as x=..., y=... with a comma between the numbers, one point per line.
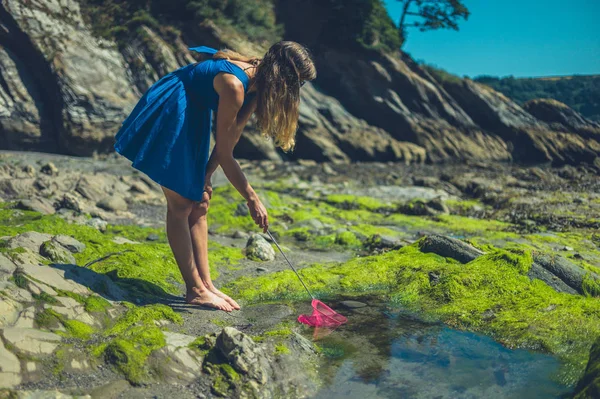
x=78, y=99
x=140, y=188
x=70, y=201
x=7, y=267
x=9, y=311
x=240, y=234
x=49, y=169
x=29, y=170
x=55, y=277
x=40, y=205
x=567, y=248
x=10, y=368
x=243, y=354
x=589, y=385
x=437, y=204
x=56, y=253
x=97, y=223
x=26, y=318
x=31, y=342
x=450, y=248
x=113, y=204
x=69, y=243
x=123, y=240
x=568, y=272
x=72, y=310
x=257, y=248
x=242, y=210
x=352, y=304
x=262, y=269
x=31, y=240
x=91, y=188
x=555, y=112
x=379, y=242
x=152, y=237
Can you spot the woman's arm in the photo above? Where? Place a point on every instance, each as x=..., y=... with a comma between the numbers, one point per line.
x=229, y=130
x=242, y=119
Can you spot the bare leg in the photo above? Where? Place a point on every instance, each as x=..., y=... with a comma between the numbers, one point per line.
x=199, y=232
x=178, y=233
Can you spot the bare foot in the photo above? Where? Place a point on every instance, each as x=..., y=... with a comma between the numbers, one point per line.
x=207, y=298
x=227, y=298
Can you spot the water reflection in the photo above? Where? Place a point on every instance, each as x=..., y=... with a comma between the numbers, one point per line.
x=378, y=355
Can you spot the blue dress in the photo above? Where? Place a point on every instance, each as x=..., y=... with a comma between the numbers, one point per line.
x=167, y=135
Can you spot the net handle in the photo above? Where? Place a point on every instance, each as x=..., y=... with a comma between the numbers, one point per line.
x=290, y=263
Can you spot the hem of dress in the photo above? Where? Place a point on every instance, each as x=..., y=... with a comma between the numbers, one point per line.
x=154, y=179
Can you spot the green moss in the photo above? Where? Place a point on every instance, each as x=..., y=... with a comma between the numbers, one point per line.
x=229, y=372
x=129, y=352
x=20, y=279
x=591, y=286
x=219, y=323
x=141, y=269
x=44, y=297
x=463, y=297
x=589, y=385
x=281, y=349
x=347, y=239
x=145, y=316
x=47, y=319
x=95, y=303
x=220, y=386
x=347, y=201
x=77, y=329
x=279, y=332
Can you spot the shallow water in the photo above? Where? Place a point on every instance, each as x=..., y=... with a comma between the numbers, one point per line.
x=383, y=355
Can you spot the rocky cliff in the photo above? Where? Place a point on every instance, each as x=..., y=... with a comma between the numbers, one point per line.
x=63, y=89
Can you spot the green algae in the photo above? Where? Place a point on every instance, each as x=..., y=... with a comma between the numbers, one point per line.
x=50, y=319
x=129, y=352
x=78, y=329
x=281, y=349
x=95, y=303
x=44, y=297
x=491, y=294
x=589, y=385
x=145, y=316
x=347, y=201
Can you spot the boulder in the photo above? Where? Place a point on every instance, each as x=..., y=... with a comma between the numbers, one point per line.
x=10, y=368
x=69, y=243
x=56, y=252
x=31, y=342
x=112, y=203
x=257, y=248
x=37, y=204
x=589, y=385
x=244, y=354
x=31, y=240
x=76, y=87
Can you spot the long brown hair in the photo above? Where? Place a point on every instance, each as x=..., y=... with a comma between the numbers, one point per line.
x=278, y=79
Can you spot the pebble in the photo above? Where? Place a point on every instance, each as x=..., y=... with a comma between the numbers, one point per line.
x=49, y=169
x=353, y=304
x=152, y=237
x=567, y=248
x=262, y=269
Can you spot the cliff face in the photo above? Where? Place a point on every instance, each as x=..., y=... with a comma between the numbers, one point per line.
x=65, y=90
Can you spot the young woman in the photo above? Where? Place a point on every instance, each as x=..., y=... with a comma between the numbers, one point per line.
x=167, y=136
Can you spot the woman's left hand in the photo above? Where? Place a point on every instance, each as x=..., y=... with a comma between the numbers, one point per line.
x=208, y=186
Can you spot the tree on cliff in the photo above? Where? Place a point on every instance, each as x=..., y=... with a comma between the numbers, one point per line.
x=431, y=14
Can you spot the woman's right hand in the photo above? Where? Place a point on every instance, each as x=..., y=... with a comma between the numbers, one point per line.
x=258, y=213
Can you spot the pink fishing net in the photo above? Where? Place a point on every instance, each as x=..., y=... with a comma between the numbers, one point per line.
x=322, y=316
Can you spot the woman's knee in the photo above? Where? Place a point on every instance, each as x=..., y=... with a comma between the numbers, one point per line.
x=177, y=205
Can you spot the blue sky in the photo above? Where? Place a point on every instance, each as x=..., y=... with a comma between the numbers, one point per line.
x=514, y=37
